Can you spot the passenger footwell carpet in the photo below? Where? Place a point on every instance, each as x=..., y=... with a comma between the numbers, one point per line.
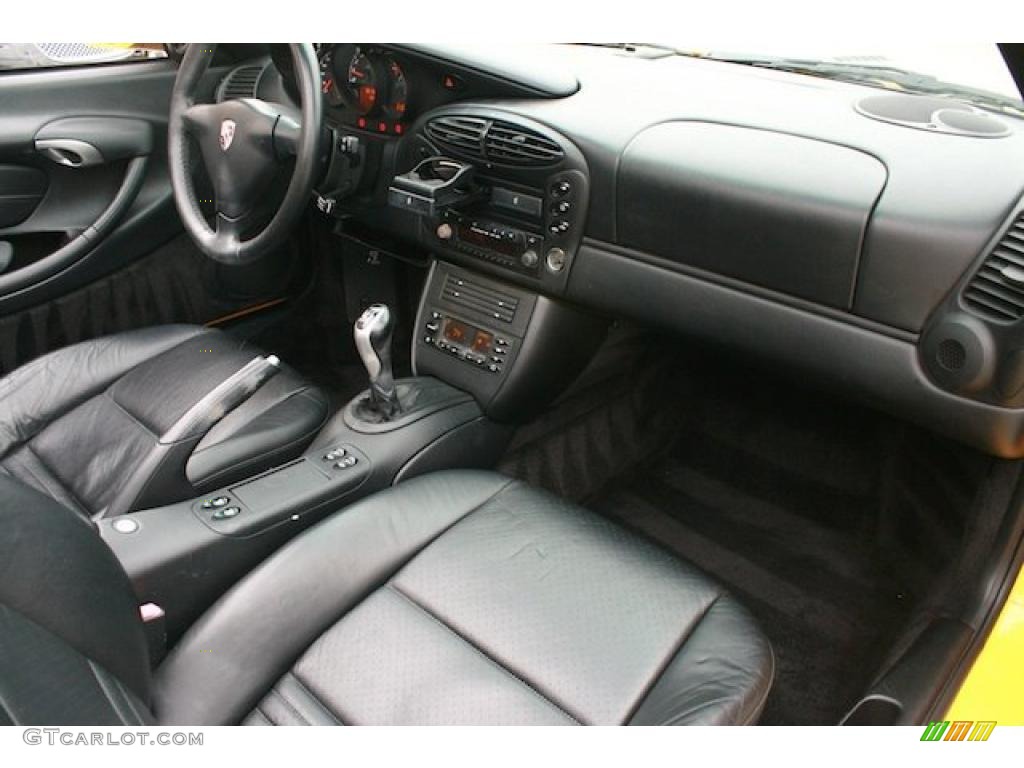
x=824, y=600
x=828, y=521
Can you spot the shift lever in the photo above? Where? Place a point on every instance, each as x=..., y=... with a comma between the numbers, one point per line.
x=373, y=340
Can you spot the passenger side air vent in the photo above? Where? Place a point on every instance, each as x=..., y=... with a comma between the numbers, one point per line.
x=996, y=291
x=515, y=145
x=479, y=298
x=241, y=83
x=457, y=132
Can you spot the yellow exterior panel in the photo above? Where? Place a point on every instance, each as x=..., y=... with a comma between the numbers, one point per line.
x=994, y=688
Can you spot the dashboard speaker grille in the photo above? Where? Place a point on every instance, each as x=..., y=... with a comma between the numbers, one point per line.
x=240, y=83
x=996, y=291
x=479, y=298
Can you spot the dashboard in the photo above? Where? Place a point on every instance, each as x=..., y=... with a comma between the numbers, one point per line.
x=872, y=241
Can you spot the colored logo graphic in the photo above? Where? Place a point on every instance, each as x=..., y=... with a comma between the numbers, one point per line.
x=959, y=730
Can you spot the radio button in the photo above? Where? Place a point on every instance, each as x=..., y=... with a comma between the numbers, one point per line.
x=445, y=231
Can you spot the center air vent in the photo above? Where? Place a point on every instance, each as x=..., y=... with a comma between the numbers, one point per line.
x=479, y=298
x=493, y=140
x=241, y=83
x=460, y=133
x=996, y=291
x=515, y=145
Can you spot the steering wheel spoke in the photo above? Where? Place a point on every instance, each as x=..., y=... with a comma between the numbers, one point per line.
x=199, y=119
x=228, y=229
x=287, y=132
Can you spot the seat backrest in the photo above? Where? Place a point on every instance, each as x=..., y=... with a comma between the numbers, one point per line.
x=72, y=647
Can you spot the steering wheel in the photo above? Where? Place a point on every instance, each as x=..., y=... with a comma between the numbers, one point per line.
x=243, y=143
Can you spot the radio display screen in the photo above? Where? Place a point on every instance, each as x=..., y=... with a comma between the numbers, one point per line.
x=481, y=239
x=466, y=335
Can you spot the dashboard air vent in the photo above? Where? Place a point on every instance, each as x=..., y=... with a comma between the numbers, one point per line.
x=515, y=145
x=493, y=140
x=458, y=132
x=240, y=83
x=480, y=298
x=997, y=289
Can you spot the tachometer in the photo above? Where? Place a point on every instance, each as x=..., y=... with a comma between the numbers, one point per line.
x=364, y=83
x=398, y=91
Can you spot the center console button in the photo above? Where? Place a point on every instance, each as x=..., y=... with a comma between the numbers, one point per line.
x=556, y=260
x=227, y=513
x=216, y=502
x=348, y=461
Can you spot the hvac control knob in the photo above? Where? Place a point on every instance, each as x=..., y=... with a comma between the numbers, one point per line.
x=529, y=259
x=444, y=231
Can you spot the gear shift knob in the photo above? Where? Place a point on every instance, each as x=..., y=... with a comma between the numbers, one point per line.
x=373, y=333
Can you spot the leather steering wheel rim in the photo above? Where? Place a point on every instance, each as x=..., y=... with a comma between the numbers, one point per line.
x=261, y=134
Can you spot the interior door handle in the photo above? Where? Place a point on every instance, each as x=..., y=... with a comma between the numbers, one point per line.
x=73, y=153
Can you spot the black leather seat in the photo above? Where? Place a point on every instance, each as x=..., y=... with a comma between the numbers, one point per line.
x=79, y=423
x=456, y=598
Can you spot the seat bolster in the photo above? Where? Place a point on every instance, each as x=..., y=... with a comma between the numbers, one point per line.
x=720, y=675
x=236, y=652
x=41, y=391
x=56, y=572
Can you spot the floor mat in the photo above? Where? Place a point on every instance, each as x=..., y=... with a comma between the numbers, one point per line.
x=824, y=597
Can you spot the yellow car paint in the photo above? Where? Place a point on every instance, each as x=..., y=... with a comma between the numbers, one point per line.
x=994, y=688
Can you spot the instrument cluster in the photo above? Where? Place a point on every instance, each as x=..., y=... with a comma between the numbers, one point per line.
x=366, y=86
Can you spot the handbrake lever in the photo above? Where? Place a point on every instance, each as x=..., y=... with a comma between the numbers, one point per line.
x=222, y=399
x=176, y=444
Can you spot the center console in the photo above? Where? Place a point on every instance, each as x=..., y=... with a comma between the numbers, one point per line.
x=524, y=192
x=502, y=211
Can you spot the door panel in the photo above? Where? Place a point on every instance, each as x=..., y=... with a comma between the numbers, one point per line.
x=21, y=190
x=83, y=172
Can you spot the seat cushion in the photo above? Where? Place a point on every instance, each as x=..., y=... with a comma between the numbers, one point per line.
x=78, y=422
x=467, y=598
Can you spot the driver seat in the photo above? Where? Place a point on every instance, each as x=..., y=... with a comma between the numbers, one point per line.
x=82, y=424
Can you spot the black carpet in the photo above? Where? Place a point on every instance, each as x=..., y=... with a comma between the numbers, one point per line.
x=828, y=521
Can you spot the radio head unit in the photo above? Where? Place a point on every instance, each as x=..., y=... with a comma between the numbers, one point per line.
x=501, y=244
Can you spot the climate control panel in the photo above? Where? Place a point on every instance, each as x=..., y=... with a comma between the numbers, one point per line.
x=480, y=347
